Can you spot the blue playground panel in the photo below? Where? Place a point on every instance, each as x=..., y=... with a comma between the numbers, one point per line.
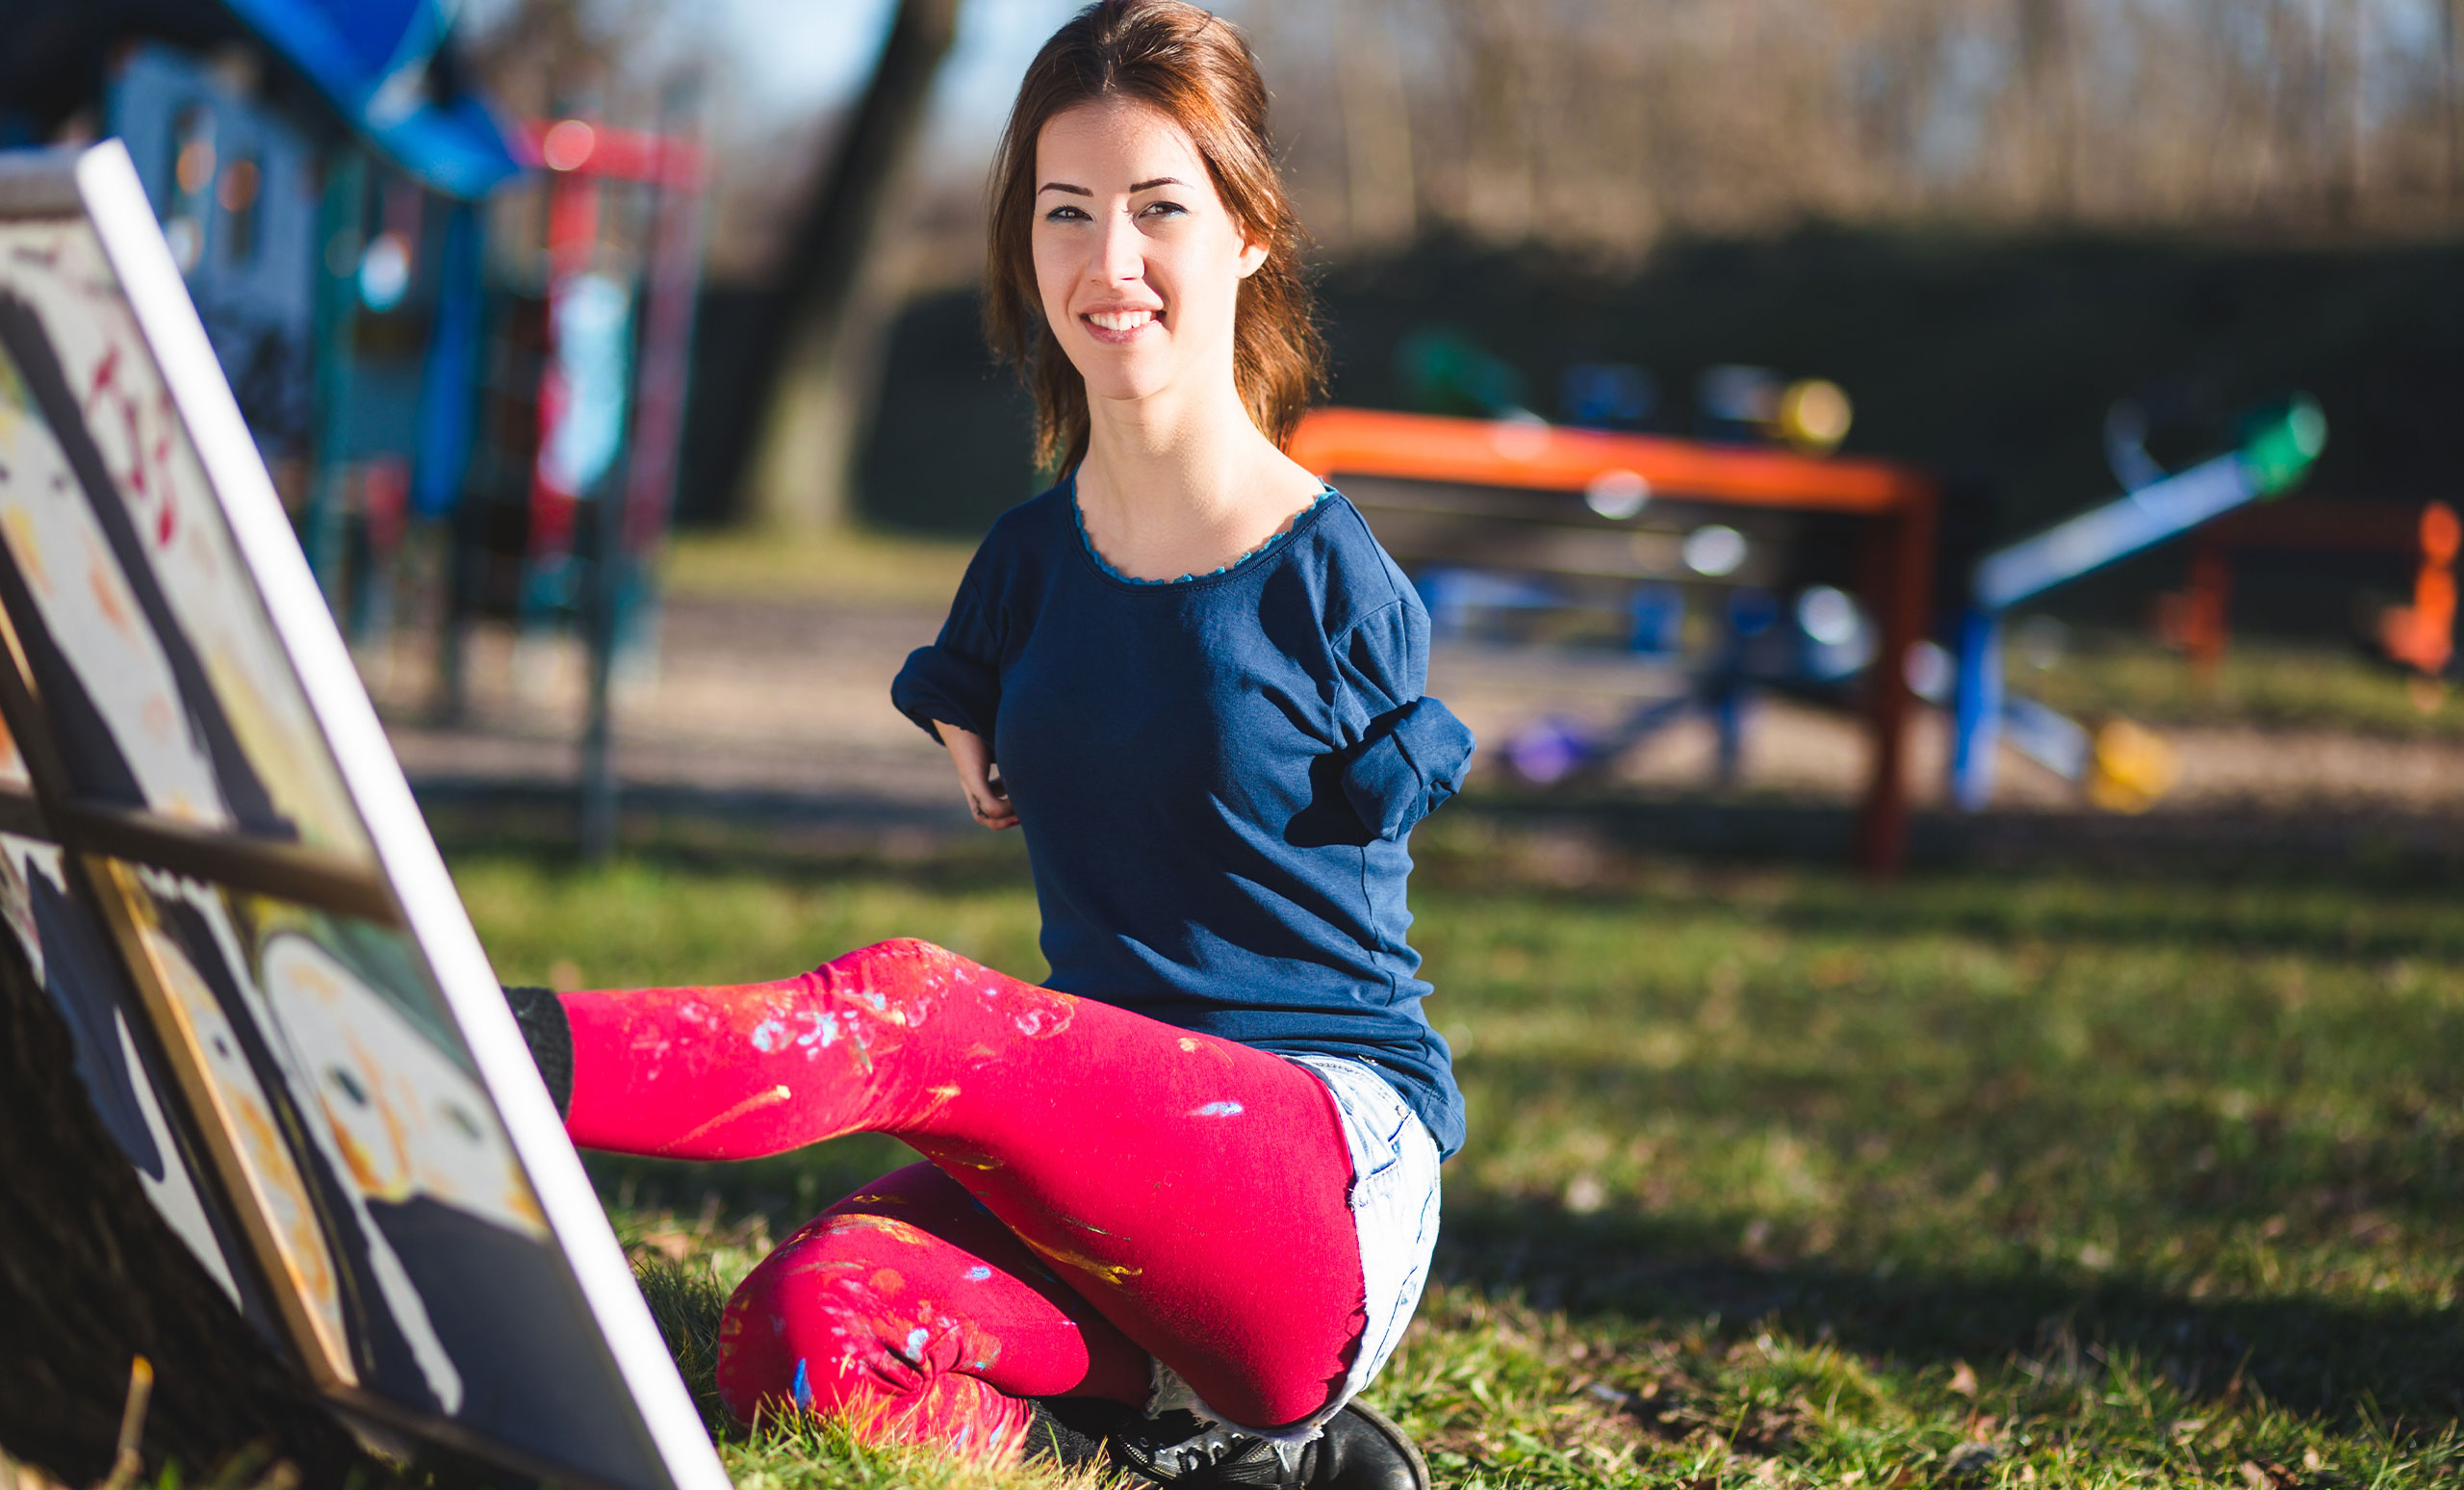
x=2272, y=459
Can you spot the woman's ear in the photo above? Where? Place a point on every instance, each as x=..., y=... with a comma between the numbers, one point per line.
x=1252, y=256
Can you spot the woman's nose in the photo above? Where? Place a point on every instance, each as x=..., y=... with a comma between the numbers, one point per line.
x=1120, y=256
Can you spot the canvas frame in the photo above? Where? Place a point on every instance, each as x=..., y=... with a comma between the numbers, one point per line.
x=400, y=883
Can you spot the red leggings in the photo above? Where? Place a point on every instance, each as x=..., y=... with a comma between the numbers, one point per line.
x=1103, y=1188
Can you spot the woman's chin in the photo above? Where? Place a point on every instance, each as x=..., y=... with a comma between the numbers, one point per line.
x=1118, y=380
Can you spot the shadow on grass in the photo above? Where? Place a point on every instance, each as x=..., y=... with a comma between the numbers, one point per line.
x=2395, y=1364
x=2119, y=922
x=755, y=836
x=2336, y=1353
x=2395, y=848
x=2073, y=901
x=2251, y=906
x=2214, y=1175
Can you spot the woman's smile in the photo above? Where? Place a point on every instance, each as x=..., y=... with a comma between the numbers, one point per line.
x=1121, y=327
x=1137, y=258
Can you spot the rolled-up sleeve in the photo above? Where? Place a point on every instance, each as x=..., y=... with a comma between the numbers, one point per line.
x=1411, y=762
x=1411, y=751
x=956, y=680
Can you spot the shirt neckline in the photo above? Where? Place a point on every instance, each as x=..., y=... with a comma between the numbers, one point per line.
x=1104, y=567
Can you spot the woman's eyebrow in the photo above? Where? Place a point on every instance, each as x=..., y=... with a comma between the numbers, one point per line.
x=1139, y=186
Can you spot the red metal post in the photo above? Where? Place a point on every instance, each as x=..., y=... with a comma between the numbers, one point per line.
x=1901, y=595
x=2207, y=605
x=673, y=276
x=573, y=241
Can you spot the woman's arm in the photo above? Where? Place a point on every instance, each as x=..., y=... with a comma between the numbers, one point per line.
x=1411, y=751
x=985, y=796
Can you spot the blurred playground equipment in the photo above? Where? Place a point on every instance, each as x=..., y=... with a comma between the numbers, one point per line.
x=461, y=346
x=573, y=477
x=2119, y=764
x=1524, y=530
x=2196, y=619
x=1444, y=372
x=2421, y=636
x=1743, y=584
x=317, y=179
x=1737, y=403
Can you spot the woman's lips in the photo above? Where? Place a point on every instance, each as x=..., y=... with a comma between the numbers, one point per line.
x=1118, y=328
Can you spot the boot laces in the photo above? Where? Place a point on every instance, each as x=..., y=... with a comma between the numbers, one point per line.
x=1216, y=1454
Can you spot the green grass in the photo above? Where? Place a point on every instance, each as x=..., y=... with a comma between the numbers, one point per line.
x=853, y=566
x=2262, y=683
x=1781, y=1177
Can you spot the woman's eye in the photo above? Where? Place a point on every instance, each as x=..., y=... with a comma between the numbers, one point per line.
x=1164, y=210
x=1065, y=215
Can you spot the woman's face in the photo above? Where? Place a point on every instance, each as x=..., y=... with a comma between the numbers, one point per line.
x=1137, y=261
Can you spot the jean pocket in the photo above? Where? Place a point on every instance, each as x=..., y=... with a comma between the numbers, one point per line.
x=1378, y=1119
x=1373, y=1117
x=1377, y=1156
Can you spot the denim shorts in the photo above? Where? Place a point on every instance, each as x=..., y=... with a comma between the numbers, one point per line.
x=1393, y=1207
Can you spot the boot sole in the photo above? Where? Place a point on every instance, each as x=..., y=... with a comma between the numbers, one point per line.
x=1386, y=1430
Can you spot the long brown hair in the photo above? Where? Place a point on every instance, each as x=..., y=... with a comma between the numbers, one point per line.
x=1197, y=69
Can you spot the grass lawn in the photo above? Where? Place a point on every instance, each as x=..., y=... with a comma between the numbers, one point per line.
x=852, y=566
x=1778, y=1177
x=2263, y=683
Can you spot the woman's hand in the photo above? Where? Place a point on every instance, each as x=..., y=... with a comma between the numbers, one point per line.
x=985, y=796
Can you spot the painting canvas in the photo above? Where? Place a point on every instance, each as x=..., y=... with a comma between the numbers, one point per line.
x=210, y=859
x=66, y=951
x=144, y=629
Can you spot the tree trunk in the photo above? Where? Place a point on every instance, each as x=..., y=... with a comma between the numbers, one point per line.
x=816, y=367
x=1377, y=128
x=2048, y=67
x=2451, y=93
x=91, y=1276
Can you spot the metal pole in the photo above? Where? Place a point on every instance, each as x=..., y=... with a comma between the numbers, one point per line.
x=598, y=791
x=1976, y=711
x=338, y=240
x=1902, y=600
x=448, y=411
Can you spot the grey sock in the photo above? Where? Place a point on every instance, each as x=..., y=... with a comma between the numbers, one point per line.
x=549, y=1035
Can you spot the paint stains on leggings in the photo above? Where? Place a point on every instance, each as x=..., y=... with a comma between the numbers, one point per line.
x=1103, y=1188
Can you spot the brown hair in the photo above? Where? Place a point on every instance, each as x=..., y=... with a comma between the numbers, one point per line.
x=1197, y=69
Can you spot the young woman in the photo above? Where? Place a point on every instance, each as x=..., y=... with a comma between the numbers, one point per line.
x=1181, y=1197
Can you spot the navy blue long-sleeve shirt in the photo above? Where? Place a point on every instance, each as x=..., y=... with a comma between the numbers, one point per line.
x=1216, y=777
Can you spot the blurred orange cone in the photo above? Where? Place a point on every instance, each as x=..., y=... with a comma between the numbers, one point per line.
x=2421, y=636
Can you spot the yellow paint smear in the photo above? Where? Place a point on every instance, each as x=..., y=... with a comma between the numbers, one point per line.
x=751, y=1104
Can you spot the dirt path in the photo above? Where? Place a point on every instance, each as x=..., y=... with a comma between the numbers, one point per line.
x=785, y=698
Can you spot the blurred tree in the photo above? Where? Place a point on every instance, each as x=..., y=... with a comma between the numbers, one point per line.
x=817, y=366
x=2451, y=18
x=2046, y=66
x=1377, y=127
x=1600, y=126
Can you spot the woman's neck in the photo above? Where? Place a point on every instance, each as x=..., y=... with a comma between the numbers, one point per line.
x=1182, y=485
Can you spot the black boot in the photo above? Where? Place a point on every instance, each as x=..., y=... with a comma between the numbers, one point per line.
x=1363, y=1450
x=1076, y=1431
x=1360, y=1449
x=549, y=1036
